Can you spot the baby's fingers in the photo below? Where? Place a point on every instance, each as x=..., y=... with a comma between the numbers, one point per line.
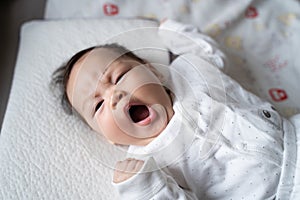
x=163, y=20
x=126, y=169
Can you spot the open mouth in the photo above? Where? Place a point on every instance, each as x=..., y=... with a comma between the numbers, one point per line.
x=139, y=113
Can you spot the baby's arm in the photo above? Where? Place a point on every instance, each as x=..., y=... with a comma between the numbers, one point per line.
x=186, y=39
x=183, y=39
x=146, y=181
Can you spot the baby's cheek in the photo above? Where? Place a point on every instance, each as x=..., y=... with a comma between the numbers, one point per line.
x=106, y=124
x=96, y=125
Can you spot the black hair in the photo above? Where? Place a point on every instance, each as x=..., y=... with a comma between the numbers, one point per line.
x=60, y=76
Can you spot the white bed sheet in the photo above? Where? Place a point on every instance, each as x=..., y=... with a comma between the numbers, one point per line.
x=261, y=38
x=44, y=153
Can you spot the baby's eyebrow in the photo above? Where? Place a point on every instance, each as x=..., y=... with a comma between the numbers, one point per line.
x=105, y=70
x=108, y=66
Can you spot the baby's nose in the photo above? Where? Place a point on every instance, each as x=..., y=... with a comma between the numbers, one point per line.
x=116, y=97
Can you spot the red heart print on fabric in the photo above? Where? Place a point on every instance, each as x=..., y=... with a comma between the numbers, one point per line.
x=251, y=12
x=110, y=9
x=278, y=94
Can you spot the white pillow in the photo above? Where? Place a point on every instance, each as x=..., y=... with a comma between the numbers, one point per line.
x=44, y=153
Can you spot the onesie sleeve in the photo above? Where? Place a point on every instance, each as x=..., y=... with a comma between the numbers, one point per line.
x=184, y=38
x=152, y=183
x=187, y=41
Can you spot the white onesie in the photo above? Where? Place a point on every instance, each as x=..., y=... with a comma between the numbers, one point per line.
x=222, y=142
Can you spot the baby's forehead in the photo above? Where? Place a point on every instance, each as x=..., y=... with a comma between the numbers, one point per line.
x=102, y=58
x=97, y=59
x=101, y=55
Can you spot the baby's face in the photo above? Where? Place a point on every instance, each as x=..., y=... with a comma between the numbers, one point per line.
x=119, y=97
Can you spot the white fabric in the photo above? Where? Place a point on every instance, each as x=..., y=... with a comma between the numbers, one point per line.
x=259, y=37
x=288, y=174
x=56, y=9
x=45, y=154
x=221, y=143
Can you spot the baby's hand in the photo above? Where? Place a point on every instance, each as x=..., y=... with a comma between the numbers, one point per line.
x=126, y=169
x=163, y=20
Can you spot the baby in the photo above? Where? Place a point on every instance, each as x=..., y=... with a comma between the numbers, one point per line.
x=192, y=131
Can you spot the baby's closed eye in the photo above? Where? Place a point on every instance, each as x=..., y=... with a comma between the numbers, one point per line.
x=98, y=105
x=120, y=76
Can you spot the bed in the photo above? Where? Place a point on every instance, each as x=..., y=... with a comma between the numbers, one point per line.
x=46, y=154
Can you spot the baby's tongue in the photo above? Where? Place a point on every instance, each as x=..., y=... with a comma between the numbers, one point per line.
x=138, y=113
